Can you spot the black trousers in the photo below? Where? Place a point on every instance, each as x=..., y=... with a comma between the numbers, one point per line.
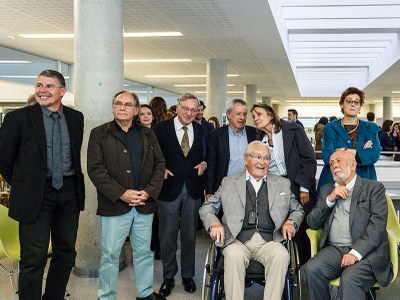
x=58, y=217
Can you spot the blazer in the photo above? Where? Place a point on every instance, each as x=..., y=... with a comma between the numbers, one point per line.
x=231, y=197
x=23, y=158
x=335, y=136
x=218, y=155
x=110, y=169
x=368, y=218
x=182, y=167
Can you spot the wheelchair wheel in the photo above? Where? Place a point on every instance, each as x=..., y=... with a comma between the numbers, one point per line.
x=212, y=277
x=294, y=273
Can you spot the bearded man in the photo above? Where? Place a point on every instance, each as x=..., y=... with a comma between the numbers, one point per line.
x=354, y=243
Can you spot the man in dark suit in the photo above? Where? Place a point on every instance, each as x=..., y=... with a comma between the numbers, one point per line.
x=354, y=243
x=226, y=145
x=181, y=141
x=40, y=158
x=126, y=165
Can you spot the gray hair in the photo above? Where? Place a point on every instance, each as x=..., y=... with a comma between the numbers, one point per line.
x=230, y=103
x=249, y=148
x=188, y=96
x=134, y=95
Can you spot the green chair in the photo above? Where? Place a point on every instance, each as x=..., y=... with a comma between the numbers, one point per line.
x=393, y=230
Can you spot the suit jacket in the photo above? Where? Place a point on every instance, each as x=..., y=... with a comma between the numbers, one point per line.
x=368, y=218
x=335, y=136
x=110, y=169
x=218, y=156
x=231, y=197
x=23, y=159
x=182, y=167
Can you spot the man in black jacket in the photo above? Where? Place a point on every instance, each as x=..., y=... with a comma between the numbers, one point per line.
x=40, y=158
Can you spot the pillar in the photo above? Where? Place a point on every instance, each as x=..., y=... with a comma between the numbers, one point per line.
x=266, y=100
x=216, y=87
x=277, y=108
x=98, y=75
x=250, y=94
x=387, y=109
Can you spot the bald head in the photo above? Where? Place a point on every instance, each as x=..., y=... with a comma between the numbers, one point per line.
x=343, y=166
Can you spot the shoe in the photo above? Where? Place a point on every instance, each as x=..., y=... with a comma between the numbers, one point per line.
x=167, y=286
x=153, y=296
x=189, y=284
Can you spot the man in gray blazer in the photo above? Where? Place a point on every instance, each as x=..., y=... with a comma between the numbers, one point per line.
x=354, y=244
x=260, y=212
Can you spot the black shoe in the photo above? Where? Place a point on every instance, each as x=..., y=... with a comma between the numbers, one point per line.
x=167, y=286
x=189, y=284
x=153, y=296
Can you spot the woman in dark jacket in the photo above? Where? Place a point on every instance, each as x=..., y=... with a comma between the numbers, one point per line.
x=318, y=131
x=386, y=139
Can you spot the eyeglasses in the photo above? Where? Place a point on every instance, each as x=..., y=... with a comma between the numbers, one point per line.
x=187, y=109
x=46, y=86
x=127, y=105
x=258, y=157
x=350, y=102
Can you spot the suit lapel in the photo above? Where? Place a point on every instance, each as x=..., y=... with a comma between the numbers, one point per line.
x=172, y=134
x=287, y=136
x=272, y=189
x=38, y=127
x=341, y=132
x=71, y=129
x=225, y=142
x=240, y=184
x=354, y=199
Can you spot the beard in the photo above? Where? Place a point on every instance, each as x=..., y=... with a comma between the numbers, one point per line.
x=341, y=175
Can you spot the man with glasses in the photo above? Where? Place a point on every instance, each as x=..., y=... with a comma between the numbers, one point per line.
x=260, y=212
x=126, y=165
x=181, y=142
x=40, y=158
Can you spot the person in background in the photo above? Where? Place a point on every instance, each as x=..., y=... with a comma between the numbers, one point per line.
x=160, y=109
x=360, y=137
x=226, y=146
x=332, y=118
x=181, y=141
x=293, y=117
x=203, y=122
x=171, y=112
x=386, y=139
x=146, y=116
x=40, y=158
x=353, y=213
x=293, y=157
x=370, y=117
x=318, y=131
x=126, y=165
x=396, y=136
x=214, y=121
x=260, y=212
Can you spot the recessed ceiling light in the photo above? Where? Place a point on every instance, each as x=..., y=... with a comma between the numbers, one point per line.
x=395, y=92
x=229, y=92
x=184, y=76
x=15, y=62
x=126, y=34
x=156, y=60
x=195, y=85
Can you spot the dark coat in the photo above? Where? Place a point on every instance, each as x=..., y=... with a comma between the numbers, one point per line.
x=182, y=167
x=218, y=155
x=110, y=169
x=23, y=159
x=367, y=220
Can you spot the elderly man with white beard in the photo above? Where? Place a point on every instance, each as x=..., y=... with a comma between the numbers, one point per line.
x=354, y=243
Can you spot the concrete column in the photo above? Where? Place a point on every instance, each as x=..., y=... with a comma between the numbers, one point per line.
x=98, y=75
x=276, y=108
x=267, y=100
x=250, y=94
x=387, y=109
x=216, y=87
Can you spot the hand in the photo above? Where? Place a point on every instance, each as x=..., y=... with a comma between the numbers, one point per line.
x=208, y=196
x=140, y=197
x=201, y=167
x=304, y=198
x=217, y=232
x=368, y=144
x=348, y=260
x=167, y=173
x=339, y=192
x=132, y=197
x=288, y=230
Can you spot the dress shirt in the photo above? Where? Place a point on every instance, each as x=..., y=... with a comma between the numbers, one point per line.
x=237, y=146
x=256, y=184
x=179, y=131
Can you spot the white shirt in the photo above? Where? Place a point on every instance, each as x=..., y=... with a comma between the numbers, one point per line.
x=179, y=131
x=256, y=184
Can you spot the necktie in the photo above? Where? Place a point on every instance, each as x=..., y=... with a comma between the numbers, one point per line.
x=57, y=175
x=185, y=141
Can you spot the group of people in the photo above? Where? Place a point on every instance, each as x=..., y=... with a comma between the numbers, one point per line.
x=262, y=178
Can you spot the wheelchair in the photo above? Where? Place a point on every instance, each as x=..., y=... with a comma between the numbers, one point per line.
x=213, y=277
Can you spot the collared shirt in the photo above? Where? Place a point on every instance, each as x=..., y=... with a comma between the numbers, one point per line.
x=256, y=184
x=349, y=186
x=179, y=131
x=277, y=164
x=66, y=154
x=237, y=145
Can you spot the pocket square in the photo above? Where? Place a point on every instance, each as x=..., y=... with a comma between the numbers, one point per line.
x=282, y=194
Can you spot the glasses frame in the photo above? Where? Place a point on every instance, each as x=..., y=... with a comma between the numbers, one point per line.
x=259, y=157
x=352, y=102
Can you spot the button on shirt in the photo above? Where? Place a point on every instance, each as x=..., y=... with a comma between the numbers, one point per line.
x=179, y=131
x=237, y=145
x=66, y=154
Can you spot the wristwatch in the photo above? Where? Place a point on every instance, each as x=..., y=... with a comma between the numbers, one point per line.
x=294, y=224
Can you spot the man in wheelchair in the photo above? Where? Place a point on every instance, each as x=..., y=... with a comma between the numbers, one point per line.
x=259, y=213
x=354, y=243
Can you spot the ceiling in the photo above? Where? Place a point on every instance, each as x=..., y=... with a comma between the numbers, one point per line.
x=298, y=49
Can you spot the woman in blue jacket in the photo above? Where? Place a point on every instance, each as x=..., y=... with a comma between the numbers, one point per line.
x=351, y=133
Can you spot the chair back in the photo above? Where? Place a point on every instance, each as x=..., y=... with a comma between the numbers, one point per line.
x=393, y=230
x=9, y=238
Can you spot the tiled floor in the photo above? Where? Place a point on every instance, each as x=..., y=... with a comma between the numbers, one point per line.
x=86, y=288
